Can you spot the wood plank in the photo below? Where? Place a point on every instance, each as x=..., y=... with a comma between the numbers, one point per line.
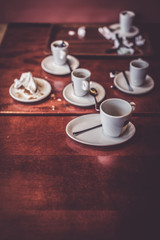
x=45, y=135
x=3, y=29
x=94, y=44
x=22, y=51
x=54, y=188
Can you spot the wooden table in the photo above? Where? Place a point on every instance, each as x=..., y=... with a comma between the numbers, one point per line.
x=52, y=187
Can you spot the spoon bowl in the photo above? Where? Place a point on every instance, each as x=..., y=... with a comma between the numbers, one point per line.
x=93, y=92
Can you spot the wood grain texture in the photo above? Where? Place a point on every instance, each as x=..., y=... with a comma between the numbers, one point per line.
x=3, y=28
x=23, y=50
x=40, y=135
x=94, y=44
x=54, y=188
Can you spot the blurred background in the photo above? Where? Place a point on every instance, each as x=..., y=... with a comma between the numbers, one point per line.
x=53, y=11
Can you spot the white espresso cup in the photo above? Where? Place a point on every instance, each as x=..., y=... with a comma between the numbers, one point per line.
x=59, y=49
x=138, y=72
x=126, y=21
x=81, y=81
x=115, y=113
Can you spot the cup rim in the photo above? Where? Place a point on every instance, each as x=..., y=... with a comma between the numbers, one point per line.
x=128, y=11
x=67, y=44
x=82, y=70
x=139, y=60
x=116, y=99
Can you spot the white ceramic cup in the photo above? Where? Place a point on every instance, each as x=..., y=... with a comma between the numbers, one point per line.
x=81, y=81
x=59, y=49
x=126, y=20
x=115, y=114
x=138, y=72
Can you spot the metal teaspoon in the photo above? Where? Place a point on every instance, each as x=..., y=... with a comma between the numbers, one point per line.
x=94, y=93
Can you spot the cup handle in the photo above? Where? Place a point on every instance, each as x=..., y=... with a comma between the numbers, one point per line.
x=133, y=105
x=85, y=85
x=62, y=54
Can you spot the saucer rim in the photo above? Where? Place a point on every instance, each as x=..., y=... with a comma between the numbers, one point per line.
x=134, y=88
x=97, y=116
x=88, y=104
x=62, y=73
x=128, y=34
x=32, y=100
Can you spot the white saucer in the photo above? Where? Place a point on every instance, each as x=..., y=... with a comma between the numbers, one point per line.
x=49, y=66
x=85, y=101
x=121, y=84
x=21, y=95
x=96, y=137
x=116, y=28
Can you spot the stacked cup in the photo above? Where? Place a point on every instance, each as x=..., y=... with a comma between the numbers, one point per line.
x=126, y=21
x=59, y=49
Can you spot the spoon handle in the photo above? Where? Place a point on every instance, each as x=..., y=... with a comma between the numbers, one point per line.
x=69, y=65
x=127, y=81
x=85, y=130
x=96, y=104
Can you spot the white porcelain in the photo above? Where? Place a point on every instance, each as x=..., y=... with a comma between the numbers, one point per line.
x=21, y=95
x=96, y=137
x=49, y=66
x=133, y=32
x=85, y=101
x=81, y=81
x=121, y=84
x=115, y=114
x=138, y=72
x=126, y=21
x=59, y=49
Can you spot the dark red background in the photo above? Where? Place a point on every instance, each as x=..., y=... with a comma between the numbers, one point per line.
x=76, y=10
